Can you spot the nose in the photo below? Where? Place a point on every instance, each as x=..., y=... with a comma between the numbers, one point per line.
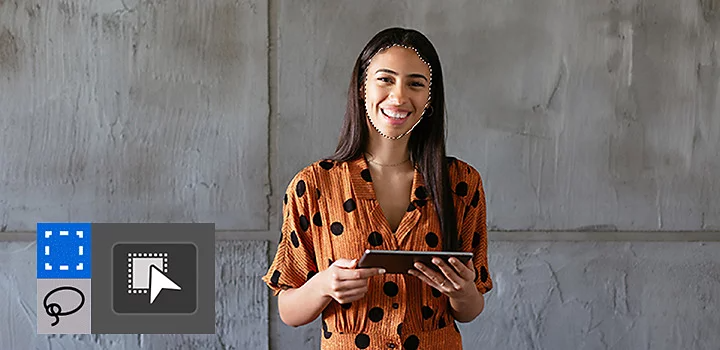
x=397, y=94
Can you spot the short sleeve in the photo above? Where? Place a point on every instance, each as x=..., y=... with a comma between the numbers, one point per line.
x=473, y=234
x=294, y=261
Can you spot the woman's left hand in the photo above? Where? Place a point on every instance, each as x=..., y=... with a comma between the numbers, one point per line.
x=453, y=284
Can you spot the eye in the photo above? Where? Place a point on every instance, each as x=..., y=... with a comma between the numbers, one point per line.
x=384, y=79
x=417, y=84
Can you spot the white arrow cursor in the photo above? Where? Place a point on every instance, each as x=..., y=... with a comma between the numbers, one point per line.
x=158, y=282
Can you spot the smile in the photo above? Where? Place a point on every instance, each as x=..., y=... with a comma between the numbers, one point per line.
x=395, y=115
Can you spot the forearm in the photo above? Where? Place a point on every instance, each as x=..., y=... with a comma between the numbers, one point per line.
x=466, y=309
x=300, y=306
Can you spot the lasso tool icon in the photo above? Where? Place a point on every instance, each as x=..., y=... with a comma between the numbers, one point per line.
x=55, y=310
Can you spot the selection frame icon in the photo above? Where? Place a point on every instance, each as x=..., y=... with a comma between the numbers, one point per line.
x=154, y=278
x=125, y=278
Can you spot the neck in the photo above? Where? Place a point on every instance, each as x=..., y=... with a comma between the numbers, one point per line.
x=385, y=151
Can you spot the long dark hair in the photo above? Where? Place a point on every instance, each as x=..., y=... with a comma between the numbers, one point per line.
x=427, y=140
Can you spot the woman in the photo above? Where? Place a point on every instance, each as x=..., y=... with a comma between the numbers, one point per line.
x=388, y=186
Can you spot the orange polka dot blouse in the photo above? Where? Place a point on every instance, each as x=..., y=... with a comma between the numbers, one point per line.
x=330, y=212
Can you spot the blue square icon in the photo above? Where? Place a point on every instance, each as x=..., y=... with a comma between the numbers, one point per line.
x=63, y=250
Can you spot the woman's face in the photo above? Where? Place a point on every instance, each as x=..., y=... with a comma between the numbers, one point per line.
x=397, y=90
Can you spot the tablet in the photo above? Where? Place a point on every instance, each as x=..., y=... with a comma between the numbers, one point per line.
x=400, y=261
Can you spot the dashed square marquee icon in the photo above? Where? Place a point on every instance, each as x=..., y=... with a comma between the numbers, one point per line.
x=100, y=278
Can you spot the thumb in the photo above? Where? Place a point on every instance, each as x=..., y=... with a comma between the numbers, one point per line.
x=346, y=263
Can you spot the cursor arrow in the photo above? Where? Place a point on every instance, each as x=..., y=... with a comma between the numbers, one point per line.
x=158, y=282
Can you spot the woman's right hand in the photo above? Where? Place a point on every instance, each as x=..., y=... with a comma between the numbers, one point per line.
x=344, y=283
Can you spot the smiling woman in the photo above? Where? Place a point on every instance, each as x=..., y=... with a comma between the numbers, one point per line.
x=389, y=186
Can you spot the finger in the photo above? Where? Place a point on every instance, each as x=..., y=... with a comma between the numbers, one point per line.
x=349, y=297
x=425, y=279
x=449, y=273
x=359, y=274
x=352, y=291
x=345, y=263
x=431, y=274
x=466, y=272
x=343, y=286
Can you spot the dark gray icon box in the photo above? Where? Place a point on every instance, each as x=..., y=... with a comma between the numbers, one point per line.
x=132, y=269
x=153, y=278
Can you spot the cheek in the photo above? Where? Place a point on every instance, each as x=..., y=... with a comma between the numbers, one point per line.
x=374, y=96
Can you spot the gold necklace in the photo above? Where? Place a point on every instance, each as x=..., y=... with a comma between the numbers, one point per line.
x=387, y=165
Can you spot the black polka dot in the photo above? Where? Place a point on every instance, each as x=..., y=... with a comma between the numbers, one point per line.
x=395, y=306
x=375, y=239
x=431, y=239
x=442, y=323
x=304, y=223
x=436, y=293
x=285, y=199
x=275, y=277
x=421, y=193
x=362, y=341
x=420, y=202
x=311, y=274
x=365, y=174
x=399, y=329
x=483, y=274
x=337, y=228
x=461, y=189
x=317, y=220
x=326, y=334
x=300, y=188
x=427, y=312
x=411, y=343
x=475, y=199
x=476, y=239
x=391, y=289
x=411, y=207
x=326, y=164
x=349, y=205
x=294, y=239
x=317, y=191
x=346, y=305
x=376, y=314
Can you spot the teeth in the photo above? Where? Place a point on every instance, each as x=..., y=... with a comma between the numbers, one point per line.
x=395, y=115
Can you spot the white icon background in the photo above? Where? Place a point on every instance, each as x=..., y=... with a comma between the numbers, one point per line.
x=139, y=270
x=146, y=272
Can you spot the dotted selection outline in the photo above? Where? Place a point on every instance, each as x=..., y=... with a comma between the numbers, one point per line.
x=131, y=256
x=66, y=233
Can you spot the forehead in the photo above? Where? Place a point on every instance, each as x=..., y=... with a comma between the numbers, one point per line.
x=399, y=59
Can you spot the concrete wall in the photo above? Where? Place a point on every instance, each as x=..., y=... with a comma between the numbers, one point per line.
x=591, y=123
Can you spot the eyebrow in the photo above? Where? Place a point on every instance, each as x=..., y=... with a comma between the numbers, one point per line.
x=413, y=75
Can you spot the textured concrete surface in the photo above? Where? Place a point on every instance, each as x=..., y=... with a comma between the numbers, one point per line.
x=240, y=303
x=118, y=111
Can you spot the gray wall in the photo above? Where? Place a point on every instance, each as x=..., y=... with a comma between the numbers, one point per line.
x=595, y=126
